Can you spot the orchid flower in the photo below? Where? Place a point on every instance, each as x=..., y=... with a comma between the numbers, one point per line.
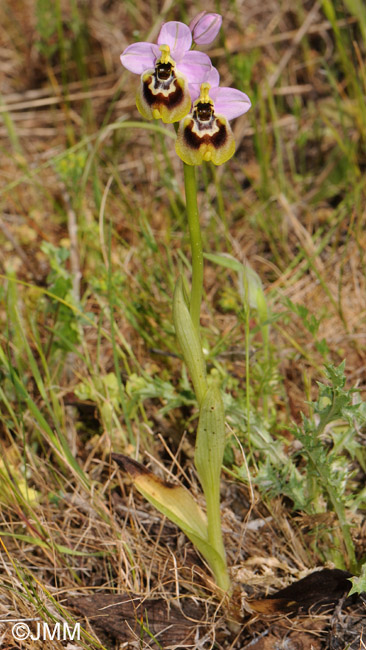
x=205, y=27
x=205, y=133
x=166, y=69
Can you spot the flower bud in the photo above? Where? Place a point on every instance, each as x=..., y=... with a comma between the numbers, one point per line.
x=205, y=27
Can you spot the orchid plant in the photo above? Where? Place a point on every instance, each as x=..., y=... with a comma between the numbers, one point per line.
x=179, y=85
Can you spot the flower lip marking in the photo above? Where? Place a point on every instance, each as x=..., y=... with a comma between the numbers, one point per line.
x=205, y=128
x=156, y=98
x=163, y=91
x=164, y=65
x=163, y=71
x=203, y=135
x=204, y=112
x=214, y=137
x=203, y=107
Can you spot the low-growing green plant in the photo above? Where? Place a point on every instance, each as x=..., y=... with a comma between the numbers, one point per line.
x=63, y=322
x=318, y=476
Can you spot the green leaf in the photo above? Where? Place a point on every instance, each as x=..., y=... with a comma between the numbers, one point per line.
x=359, y=583
x=210, y=441
x=250, y=287
x=248, y=276
x=176, y=503
x=209, y=453
x=173, y=501
x=189, y=341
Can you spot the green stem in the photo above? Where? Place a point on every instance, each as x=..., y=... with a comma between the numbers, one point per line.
x=190, y=187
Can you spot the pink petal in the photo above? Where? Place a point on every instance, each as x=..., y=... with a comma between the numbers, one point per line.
x=230, y=102
x=195, y=66
x=213, y=78
x=178, y=36
x=139, y=57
